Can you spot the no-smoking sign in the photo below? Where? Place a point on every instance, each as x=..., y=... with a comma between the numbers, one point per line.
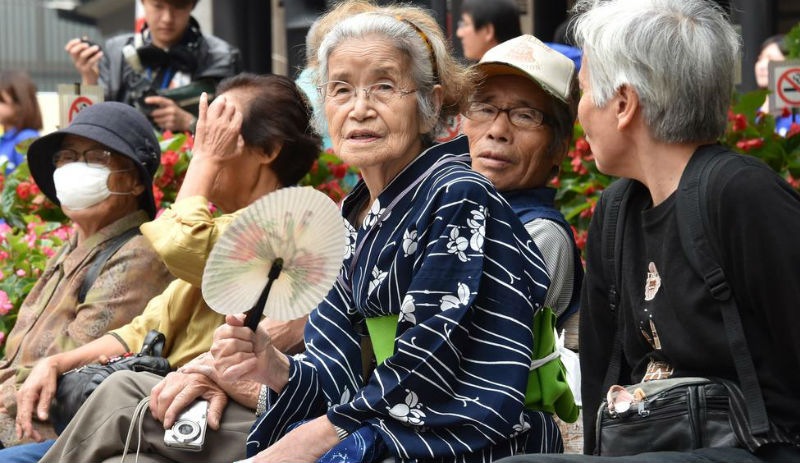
x=77, y=105
x=784, y=84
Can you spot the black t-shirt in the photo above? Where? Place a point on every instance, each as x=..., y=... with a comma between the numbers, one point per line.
x=755, y=218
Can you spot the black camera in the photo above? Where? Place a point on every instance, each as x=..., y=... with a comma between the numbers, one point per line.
x=90, y=43
x=139, y=103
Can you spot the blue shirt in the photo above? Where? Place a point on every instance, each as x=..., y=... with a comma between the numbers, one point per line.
x=784, y=123
x=442, y=250
x=8, y=147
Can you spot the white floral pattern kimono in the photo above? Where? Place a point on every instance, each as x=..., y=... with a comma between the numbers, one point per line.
x=441, y=249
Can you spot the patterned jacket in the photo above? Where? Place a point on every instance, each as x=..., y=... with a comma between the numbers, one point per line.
x=50, y=319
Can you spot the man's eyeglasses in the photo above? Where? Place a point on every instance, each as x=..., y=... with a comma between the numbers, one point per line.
x=92, y=157
x=341, y=92
x=522, y=117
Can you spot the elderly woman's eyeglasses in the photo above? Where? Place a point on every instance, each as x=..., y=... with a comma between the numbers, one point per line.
x=341, y=92
x=94, y=157
x=522, y=117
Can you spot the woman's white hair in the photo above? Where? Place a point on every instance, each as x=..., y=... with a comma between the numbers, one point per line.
x=678, y=55
x=406, y=39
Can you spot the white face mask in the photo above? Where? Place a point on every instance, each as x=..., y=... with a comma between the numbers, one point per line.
x=80, y=185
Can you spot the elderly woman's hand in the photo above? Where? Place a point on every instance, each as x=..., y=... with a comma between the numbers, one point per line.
x=239, y=353
x=217, y=140
x=35, y=395
x=178, y=390
x=304, y=444
x=218, y=131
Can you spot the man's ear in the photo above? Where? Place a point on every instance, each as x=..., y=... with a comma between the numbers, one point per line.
x=489, y=32
x=626, y=105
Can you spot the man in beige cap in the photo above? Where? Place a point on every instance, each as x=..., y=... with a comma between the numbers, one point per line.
x=519, y=125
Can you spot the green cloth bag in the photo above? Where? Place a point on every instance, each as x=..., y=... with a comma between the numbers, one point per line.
x=547, y=388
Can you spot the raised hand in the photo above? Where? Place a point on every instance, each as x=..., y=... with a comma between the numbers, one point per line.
x=85, y=57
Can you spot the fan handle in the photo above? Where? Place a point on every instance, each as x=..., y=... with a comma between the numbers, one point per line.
x=254, y=314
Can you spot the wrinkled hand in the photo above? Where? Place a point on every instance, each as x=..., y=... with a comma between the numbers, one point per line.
x=304, y=444
x=86, y=59
x=218, y=132
x=168, y=115
x=287, y=337
x=36, y=393
x=178, y=390
x=239, y=353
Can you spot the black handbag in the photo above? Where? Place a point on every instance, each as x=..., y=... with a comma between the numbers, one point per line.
x=675, y=414
x=75, y=386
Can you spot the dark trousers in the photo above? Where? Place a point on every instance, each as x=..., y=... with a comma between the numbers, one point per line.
x=772, y=453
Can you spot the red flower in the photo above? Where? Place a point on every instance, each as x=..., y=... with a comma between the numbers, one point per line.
x=794, y=129
x=25, y=190
x=747, y=145
x=167, y=175
x=578, y=167
x=158, y=195
x=339, y=170
x=739, y=122
x=169, y=158
x=582, y=145
x=795, y=183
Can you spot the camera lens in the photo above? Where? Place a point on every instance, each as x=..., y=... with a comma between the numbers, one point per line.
x=185, y=431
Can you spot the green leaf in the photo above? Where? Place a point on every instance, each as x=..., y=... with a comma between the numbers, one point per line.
x=749, y=103
x=174, y=143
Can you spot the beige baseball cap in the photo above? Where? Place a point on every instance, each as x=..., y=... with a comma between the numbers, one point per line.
x=527, y=56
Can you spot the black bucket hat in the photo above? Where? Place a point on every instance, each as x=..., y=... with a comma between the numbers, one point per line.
x=120, y=128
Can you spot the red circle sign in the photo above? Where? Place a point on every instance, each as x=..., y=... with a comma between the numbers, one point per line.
x=77, y=105
x=788, y=87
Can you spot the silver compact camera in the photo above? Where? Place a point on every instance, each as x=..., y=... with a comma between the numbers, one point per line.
x=189, y=430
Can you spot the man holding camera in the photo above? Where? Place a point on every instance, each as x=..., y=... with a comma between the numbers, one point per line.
x=170, y=56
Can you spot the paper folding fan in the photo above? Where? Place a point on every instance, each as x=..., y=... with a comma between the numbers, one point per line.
x=280, y=256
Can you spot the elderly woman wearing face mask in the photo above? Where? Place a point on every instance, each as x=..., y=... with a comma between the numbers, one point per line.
x=440, y=273
x=100, y=171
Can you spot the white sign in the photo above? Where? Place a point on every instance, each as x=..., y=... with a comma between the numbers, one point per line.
x=784, y=84
x=72, y=98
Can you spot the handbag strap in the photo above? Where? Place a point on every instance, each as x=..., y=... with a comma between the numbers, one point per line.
x=692, y=211
x=102, y=257
x=153, y=344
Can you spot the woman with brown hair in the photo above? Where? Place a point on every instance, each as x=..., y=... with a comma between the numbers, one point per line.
x=20, y=116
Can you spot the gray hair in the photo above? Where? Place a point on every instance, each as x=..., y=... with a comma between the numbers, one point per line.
x=679, y=56
x=406, y=39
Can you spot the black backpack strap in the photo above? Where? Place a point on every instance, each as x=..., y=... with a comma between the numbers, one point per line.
x=692, y=212
x=615, y=198
x=102, y=257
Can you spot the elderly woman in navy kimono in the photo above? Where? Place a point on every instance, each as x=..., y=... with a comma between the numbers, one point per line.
x=436, y=255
